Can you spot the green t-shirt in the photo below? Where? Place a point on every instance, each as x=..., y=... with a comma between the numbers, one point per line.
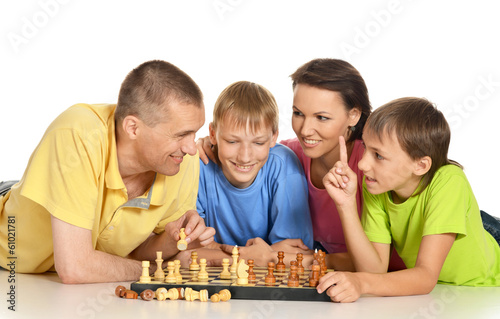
x=447, y=205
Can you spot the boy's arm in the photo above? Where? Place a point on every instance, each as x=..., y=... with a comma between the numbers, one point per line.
x=341, y=184
x=347, y=287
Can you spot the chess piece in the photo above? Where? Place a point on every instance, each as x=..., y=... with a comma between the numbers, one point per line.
x=293, y=278
x=314, y=278
x=120, y=291
x=159, y=275
x=224, y=295
x=145, y=272
x=251, y=275
x=171, y=278
x=163, y=294
x=182, y=243
x=225, y=273
x=130, y=294
x=280, y=266
x=300, y=268
x=191, y=295
x=241, y=273
x=235, y=255
x=194, y=265
x=215, y=297
x=270, y=280
x=203, y=274
x=147, y=295
x=322, y=262
x=177, y=271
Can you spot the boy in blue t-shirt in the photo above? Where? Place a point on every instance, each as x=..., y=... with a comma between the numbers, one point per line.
x=257, y=188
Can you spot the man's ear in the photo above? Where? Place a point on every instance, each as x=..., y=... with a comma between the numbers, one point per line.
x=212, y=133
x=422, y=165
x=354, y=116
x=130, y=126
x=274, y=139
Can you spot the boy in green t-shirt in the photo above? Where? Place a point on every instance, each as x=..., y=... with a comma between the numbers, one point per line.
x=416, y=199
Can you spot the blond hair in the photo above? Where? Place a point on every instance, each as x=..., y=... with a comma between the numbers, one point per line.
x=246, y=103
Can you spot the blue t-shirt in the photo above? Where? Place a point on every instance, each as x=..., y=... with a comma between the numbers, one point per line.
x=273, y=208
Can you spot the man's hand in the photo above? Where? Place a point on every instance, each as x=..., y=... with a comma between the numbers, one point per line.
x=197, y=234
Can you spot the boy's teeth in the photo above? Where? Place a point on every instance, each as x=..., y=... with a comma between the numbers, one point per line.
x=243, y=167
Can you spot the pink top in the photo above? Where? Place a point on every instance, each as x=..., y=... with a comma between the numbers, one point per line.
x=327, y=227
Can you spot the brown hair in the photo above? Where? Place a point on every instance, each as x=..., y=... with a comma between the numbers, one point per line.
x=421, y=130
x=247, y=103
x=338, y=76
x=150, y=87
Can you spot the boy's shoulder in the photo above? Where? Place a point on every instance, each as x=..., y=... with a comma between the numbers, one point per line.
x=280, y=151
x=448, y=171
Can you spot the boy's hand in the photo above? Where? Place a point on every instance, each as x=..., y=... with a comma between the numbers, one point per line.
x=295, y=245
x=256, y=249
x=197, y=234
x=341, y=181
x=205, y=149
x=340, y=286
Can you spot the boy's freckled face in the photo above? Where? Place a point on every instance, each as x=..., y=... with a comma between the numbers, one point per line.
x=242, y=152
x=387, y=167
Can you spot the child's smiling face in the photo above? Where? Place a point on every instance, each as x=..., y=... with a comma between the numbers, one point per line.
x=242, y=151
x=387, y=167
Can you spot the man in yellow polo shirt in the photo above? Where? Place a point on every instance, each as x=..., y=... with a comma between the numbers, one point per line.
x=109, y=185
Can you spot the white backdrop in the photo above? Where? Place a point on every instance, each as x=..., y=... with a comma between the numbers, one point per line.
x=57, y=53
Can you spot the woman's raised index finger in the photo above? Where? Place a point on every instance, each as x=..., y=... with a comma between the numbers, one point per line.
x=343, y=150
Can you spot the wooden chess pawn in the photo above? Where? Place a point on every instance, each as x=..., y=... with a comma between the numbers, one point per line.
x=177, y=271
x=280, y=266
x=159, y=275
x=270, y=279
x=194, y=265
x=314, y=278
x=145, y=277
x=203, y=274
x=191, y=295
x=300, y=267
x=147, y=295
x=251, y=274
x=171, y=278
x=225, y=273
x=293, y=278
x=130, y=294
x=182, y=243
x=163, y=294
x=120, y=291
x=224, y=295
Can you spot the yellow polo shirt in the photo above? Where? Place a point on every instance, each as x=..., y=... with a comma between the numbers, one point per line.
x=73, y=175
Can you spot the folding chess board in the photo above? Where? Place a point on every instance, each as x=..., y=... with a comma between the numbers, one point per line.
x=253, y=290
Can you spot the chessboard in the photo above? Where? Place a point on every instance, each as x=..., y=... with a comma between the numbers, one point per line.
x=257, y=290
